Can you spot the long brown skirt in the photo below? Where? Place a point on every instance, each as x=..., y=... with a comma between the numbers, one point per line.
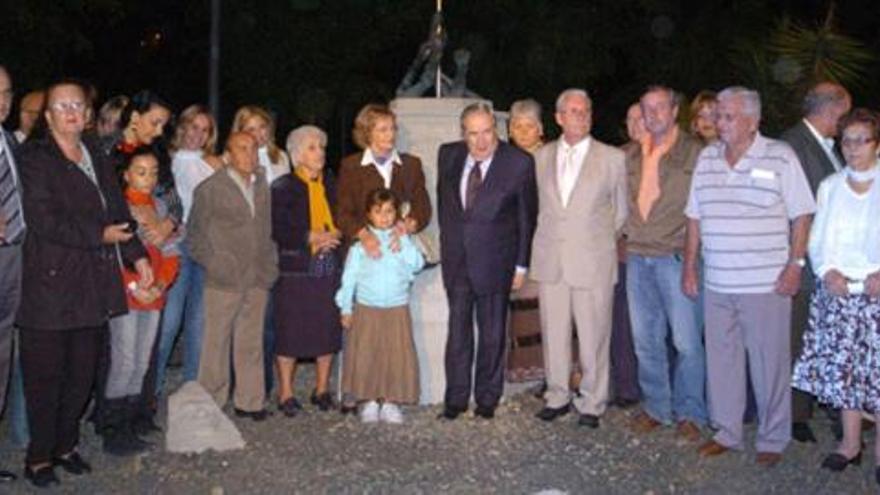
x=380, y=356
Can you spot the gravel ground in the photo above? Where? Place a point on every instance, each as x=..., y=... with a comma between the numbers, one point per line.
x=514, y=453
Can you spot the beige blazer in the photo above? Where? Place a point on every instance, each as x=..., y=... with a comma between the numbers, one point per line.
x=576, y=244
x=234, y=247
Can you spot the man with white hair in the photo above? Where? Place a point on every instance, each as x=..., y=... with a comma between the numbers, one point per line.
x=582, y=206
x=750, y=206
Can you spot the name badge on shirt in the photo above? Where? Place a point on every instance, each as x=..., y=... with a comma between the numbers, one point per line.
x=760, y=173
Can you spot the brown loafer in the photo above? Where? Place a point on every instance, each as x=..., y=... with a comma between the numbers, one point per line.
x=689, y=431
x=711, y=449
x=768, y=459
x=644, y=423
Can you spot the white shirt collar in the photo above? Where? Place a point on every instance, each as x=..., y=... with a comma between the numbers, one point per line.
x=826, y=142
x=370, y=159
x=578, y=147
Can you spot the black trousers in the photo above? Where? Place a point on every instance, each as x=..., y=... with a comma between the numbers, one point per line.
x=491, y=314
x=58, y=368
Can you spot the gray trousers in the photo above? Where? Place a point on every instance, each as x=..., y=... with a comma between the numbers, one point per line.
x=131, y=340
x=10, y=294
x=757, y=325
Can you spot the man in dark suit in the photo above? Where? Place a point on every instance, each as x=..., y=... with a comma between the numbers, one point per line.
x=487, y=202
x=11, y=237
x=813, y=141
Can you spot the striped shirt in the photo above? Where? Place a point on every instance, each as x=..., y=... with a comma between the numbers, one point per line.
x=744, y=213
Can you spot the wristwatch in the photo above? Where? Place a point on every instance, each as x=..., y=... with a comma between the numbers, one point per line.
x=801, y=262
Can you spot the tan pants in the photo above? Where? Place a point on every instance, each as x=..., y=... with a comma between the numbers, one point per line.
x=591, y=310
x=236, y=319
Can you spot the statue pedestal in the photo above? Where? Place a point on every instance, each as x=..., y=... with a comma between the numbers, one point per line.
x=423, y=125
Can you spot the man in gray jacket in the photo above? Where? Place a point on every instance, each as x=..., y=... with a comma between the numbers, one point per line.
x=230, y=236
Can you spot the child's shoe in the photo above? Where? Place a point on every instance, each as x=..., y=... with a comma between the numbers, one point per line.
x=391, y=414
x=370, y=412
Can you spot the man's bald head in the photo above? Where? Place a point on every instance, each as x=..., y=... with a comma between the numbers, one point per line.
x=241, y=149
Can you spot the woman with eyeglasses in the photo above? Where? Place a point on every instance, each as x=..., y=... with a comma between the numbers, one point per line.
x=79, y=231
x=840, y=362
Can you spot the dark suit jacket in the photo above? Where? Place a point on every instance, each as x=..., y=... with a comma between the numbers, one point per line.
x=70, y=278
x=816, y=166
x=813, y=159
x=357, y=181
x=290, y=220
x=489, y=240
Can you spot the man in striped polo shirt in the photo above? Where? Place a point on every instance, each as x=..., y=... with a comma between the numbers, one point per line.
x=750, y=206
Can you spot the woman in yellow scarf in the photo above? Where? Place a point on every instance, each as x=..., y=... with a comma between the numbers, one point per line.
x=303, y=227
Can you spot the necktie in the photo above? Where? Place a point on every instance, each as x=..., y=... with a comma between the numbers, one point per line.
x=10, y=201
x=475, y=180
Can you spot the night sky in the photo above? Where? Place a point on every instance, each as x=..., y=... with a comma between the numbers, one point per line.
x=319, y=61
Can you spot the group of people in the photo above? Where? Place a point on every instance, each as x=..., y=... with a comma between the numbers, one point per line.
x=114, y=244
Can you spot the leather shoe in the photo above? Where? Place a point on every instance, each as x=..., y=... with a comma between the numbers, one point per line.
x=589, y=420
x=689, y=431
x=644, y=423
x=768, y=459
x=838, y=462
x=260, y=415
x=73, y=463
x=711, y=449
x=624, y=403
x=485, y=412
x=7, y=476
x=324, y=401
x=551, y=413
x=802, y=432
x=42, y=476
x=450, y=412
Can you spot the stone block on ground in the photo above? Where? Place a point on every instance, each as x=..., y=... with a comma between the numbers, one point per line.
x=196, y=424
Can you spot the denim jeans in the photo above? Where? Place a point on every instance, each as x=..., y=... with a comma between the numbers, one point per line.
x=183, y=305
x=132, y=337
x=656, y=306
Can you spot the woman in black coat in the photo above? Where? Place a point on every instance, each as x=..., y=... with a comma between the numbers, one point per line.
x=78, y=234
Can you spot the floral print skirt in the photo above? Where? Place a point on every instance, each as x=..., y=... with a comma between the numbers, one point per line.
x=840, y=362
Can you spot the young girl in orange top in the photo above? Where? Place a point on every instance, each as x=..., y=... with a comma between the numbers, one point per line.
x=132, y=335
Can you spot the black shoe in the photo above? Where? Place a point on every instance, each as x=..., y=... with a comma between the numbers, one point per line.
x=290, y=408
x=802, y=432
x=260, y=415
x=590, y=420
x=551, y=413
x=485, y=412
x=323, y=401
x=120, y=441
x=450, y=413
x=7, y=476
x=623, y=403
x=837, y=462
x=348, y=409
x=42, y=477
x=144, y=426
x=73, y=463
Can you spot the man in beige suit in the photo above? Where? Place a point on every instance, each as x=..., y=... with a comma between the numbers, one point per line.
x=230, y=236
x=582, y=208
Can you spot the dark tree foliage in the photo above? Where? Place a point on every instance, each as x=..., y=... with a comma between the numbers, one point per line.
x=319, y=61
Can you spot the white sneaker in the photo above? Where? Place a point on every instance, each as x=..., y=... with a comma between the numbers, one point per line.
x=391, y=414
x=370, y=412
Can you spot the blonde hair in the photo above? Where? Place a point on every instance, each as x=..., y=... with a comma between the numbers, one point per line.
x=186, y=118
x=366, y=120
x=245, y=113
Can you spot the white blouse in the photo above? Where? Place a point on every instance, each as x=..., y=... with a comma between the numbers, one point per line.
x=273, y=170
x=846, y=232
x=189, y=170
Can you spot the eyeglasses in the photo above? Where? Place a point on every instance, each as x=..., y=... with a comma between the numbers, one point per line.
x=855, y=142
x=68, y=106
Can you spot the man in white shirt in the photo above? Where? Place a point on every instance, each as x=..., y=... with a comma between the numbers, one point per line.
x=582, y=205
x=813, y=141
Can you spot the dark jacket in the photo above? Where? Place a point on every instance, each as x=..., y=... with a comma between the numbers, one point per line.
x=489, y=240
x=70, y=279
x=356, y=181
x=290, y=220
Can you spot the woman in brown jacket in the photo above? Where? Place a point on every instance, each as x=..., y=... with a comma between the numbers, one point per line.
x=379, y=165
